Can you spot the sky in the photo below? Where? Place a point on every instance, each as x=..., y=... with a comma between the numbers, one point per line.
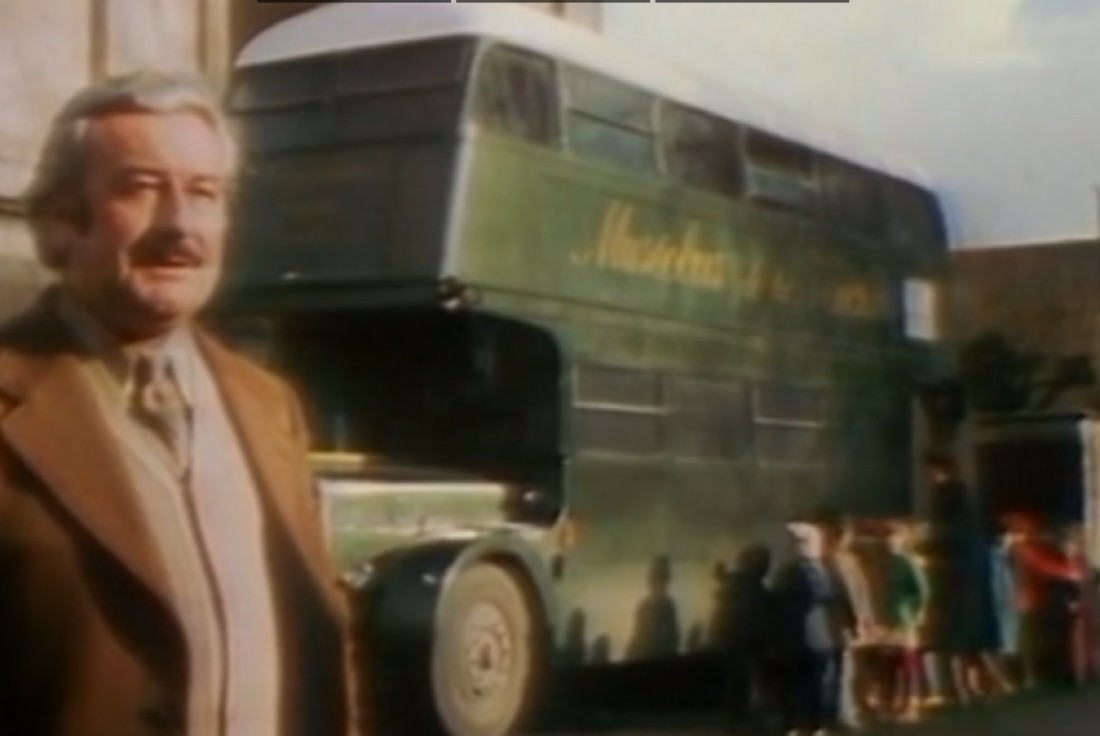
x=996, y=103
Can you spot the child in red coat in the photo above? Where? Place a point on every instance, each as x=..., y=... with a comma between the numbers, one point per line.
x=1045, y=578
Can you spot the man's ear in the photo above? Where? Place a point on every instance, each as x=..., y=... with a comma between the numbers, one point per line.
x=59, y=236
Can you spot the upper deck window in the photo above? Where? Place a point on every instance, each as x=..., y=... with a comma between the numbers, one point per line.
x=515, y=94
x=610, y=122
x=780, y=172
x=701, y=150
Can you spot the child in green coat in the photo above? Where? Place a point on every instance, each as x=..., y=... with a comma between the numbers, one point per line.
x=905, y=599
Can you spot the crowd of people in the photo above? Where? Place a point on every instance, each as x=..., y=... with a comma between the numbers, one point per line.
x=889, y=620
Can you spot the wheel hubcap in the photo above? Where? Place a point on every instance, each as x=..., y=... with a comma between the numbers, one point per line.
x=488, y=652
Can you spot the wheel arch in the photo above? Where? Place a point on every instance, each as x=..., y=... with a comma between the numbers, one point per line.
x=401, y=596
x=525, y=565
x=399, y=607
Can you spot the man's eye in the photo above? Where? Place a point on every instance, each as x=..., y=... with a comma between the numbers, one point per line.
x=139, y=186
x=207, y=192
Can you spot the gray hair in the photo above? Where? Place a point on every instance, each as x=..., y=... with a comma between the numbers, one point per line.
x=56, y=192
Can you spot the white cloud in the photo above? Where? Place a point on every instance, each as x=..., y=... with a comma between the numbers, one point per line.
x=976, y=36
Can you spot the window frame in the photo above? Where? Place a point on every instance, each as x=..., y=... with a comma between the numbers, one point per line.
x=731, y=179
x=774, y=183
x=554, y=121
x=572, y=111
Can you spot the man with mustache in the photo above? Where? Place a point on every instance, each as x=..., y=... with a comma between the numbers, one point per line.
x=162, y=566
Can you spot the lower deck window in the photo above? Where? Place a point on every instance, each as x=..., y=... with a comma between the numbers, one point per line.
x=634, y=433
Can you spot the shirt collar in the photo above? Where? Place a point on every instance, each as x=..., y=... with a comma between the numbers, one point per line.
x=178, y=347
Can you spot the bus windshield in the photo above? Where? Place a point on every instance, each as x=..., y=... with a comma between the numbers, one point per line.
x=428, y=387
x=351, y=162
x=402, y=91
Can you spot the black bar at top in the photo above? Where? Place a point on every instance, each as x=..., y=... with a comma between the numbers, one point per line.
x=647, y=2
x=447, y=2
x=334, y=2
x=747, y=2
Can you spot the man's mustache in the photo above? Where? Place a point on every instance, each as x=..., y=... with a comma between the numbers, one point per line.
x=167, y=249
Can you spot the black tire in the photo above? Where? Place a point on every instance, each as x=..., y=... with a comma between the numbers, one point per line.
x=487, y=657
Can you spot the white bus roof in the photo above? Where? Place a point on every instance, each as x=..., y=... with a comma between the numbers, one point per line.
x=348, y=26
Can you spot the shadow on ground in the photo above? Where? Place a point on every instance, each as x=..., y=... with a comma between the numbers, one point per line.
x=608, y=698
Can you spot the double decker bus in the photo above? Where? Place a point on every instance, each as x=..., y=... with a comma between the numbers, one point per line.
x=572, y=328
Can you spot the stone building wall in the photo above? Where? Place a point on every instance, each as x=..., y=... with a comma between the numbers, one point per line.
x=51, y=48
x=1031, y=313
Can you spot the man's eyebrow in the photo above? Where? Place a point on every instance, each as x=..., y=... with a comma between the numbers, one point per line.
x=135, y=170
x=128, y=170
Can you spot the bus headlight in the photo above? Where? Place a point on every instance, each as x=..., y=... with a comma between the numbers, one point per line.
x=358, y=577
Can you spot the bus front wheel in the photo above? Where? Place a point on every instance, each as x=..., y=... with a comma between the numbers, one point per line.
x=487, y=656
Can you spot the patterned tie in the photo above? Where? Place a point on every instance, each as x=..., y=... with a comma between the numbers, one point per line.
x=159, y=404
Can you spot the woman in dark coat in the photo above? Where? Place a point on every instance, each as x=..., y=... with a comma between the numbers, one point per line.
x=963, y=620
x=747, y=612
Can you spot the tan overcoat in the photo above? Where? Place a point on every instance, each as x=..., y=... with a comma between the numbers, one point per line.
x=90, y=642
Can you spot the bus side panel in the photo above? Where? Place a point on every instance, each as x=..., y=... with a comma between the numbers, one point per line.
x=715, y=510
x=602, y=237
x=616, y=581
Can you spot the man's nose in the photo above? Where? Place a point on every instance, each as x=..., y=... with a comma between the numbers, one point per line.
x=175, y=210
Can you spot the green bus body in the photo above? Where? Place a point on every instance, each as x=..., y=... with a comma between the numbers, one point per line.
x=666, y=373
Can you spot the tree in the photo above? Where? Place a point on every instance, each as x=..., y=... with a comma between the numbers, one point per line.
x=999, y=375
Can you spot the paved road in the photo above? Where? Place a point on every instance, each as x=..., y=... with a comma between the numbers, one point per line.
x=1067, y=714
x=682, y=704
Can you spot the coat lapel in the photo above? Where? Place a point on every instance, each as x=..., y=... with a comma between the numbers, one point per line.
x=262, y=413
x=58, y=431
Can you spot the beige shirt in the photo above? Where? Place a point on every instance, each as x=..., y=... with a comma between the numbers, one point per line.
x=209, y=528
x=852, y=573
